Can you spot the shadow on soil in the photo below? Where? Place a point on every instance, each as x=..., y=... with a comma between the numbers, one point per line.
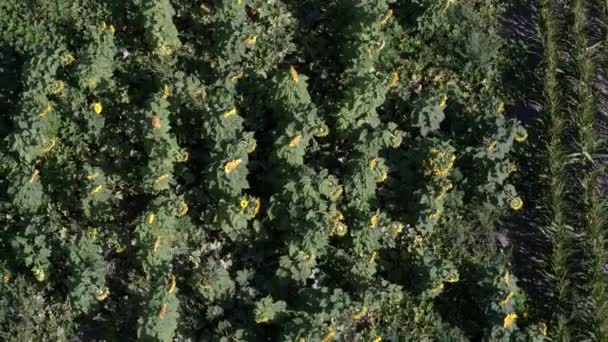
x=524, y=233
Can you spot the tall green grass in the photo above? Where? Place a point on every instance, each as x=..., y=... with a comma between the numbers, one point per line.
x=593, y=209
x=557, y=229
x=583, y=67
x=595, y=221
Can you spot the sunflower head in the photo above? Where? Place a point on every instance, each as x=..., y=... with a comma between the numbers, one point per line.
x=97, y=107
x=520, y=134
x=516, y=203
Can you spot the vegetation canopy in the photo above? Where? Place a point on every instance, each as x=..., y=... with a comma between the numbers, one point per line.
x=316, y=170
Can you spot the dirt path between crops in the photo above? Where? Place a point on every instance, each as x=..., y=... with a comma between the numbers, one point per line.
x=527, y=244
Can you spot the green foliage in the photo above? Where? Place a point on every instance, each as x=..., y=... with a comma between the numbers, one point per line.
x=257, y=170
x=266, y=310
x=161, y=33
x=29, y=314
x=95, y=68
x=87, y=282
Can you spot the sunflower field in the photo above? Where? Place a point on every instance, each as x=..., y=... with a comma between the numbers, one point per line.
x=303, y=170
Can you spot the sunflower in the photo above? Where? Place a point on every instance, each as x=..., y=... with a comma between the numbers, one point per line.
x=96, y=189
x=453, y=277
x=39, y=274
x=183, y=209
x=57, y=88
x=68, y=59
x=231, y=165
x=102, y=294
x=373, y=163
x=373, y=221
x=359, y=314
x=33, y=176
x=521, y=134
x=295, y=140
x=229, y=112
x=516, y=203
x=501, y=107
x=509, y=320
x=506, y=300
x=394, y=80
x=386, y=17
x=171, y=284
x=294, y=74
x=166, y=91
x=97, y=107
x=444, y=102
x=47, y=109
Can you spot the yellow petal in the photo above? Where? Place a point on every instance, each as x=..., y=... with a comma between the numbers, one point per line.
x=373, y=221
x=294, y=74
x=506, y=300
x=509, y=320
x=97, y=107
x=161, y=178
x=102, y=294
x=68, y=59
x=501, y=107
x=444, y=102
x=33, y=176
x=166, y=91
x=92, y=176
x=516, y=203
x=156, y=244
x=229, y=112
x=372, y=258
x=171, y=285
x=373, y=163
x=183, y=156
x=394, y=80
x=257, y=206
x=47, y=109
x=329, y=336
x=183, y=209
x=250, y=40
x=295, y=140
x=231, y=165
x=543, y=328
x=260, y=320
x=454, y=277
x=49, y=145
x=357, y=316
x=437, y=289
x=57, y=87
x=386, y=17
